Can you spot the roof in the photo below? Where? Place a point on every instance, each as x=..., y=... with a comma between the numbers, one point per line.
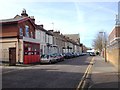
x=16, y=20
x=73, y=36
x=39, y=27
x=11, y=20
x=49, y=33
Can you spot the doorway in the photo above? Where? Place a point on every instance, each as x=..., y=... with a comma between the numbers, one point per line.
x=12, y=56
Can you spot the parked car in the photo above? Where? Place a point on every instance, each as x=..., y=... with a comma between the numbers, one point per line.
x=68, y=55
x=92, y=54
x=73, y=54
x=47, y=59
x=84, y=54
x=81, y=54
x=76, y=54
x=59, y=57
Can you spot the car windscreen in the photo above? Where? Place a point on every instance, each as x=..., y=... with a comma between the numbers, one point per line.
x=44, y=56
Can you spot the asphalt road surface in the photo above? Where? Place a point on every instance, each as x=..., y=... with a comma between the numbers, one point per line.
x=65, y=74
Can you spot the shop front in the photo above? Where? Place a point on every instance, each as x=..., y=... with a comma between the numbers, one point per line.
x=31, y=52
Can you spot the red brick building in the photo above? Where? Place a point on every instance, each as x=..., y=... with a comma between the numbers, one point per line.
x=18, y=40
x=113, y=47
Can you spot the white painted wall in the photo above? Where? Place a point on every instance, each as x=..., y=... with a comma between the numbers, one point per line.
x=42, y=37
x=37, y=34
x=6, y=44
x=47, y=38
x=20, y=50
x=75, y=48
x=51, y=39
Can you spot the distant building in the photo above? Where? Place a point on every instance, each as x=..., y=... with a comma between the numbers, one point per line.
x=76, y=38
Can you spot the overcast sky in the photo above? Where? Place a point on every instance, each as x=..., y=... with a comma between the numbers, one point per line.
x=69, y=17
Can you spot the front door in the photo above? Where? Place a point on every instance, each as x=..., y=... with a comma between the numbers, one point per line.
x=12, y=56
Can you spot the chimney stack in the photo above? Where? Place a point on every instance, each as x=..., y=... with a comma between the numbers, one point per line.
x=32, y=18
x=24, y=14
x=50, y=30
x=57, y=32
x=41, y=25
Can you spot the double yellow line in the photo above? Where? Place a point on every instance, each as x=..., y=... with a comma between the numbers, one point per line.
x=83, y=82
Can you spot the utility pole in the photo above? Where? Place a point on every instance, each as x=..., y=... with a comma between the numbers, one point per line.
x=104, y=42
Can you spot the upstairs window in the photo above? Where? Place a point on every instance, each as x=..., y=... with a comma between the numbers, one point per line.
x=20, y=31
x=27, y=31
x=31, y=34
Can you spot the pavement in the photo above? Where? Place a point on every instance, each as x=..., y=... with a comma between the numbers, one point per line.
x=104, y=75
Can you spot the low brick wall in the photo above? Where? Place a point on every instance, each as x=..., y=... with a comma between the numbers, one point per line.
x=113, y=54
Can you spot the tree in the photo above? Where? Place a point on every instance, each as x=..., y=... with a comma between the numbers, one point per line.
x=99, y=41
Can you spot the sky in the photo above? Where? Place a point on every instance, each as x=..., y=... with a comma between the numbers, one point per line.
x=85, y=18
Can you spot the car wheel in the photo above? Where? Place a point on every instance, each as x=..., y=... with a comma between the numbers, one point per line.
x=50, y=62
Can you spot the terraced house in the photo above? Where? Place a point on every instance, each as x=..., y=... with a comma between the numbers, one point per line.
x=40, y=34
x=24, y=42
x=75, y=39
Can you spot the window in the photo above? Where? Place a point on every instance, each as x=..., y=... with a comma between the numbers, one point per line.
x=31, y=34
x=21, y=32
x=26, y=31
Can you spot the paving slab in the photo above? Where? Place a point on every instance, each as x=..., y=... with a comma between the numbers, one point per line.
x=104, y=75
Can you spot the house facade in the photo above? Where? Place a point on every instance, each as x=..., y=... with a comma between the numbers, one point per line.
x=53, y=40
x=59, y=41
x=76, y=41
x=18, y=40
x=40, y=34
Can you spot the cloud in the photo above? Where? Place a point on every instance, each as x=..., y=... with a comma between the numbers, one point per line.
x=80, y=13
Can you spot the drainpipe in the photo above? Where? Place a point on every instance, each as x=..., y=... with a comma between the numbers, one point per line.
x=119, y=59
x=18, y=51
x=105, y=53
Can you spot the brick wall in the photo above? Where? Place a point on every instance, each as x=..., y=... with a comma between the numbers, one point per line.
x=113, y=47
x=117, y=31
x=113, y=56
x=31, y=28
x=9, y=30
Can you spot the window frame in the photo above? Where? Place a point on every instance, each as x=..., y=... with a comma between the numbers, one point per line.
x=27, y=31
x=20, y=32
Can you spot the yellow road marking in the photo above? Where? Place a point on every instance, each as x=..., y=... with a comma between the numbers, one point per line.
x=80, y=85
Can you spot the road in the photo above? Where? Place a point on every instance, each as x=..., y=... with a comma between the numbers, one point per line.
x=66, y=74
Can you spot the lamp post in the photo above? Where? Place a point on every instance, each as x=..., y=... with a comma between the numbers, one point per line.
x=104, y=44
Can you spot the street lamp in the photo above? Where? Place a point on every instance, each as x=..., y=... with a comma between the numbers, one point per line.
x=104, y=43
